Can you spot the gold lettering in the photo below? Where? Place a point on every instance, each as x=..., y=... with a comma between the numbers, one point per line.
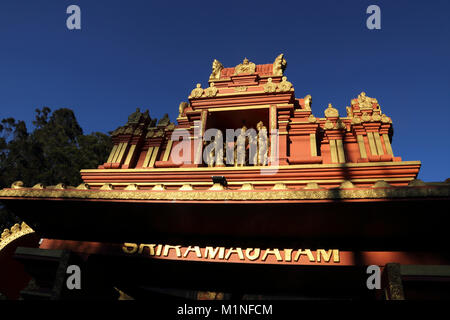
x=196, y=249
x=287, y=254
x=212, y=252
x=132, y=247
x=307, y=252
x=276, y=252
x=159, y=249
x=167, y=248
x=235, y=250
x=151, y=248
x=325, y=254
x=254, y=256
x=336, y=257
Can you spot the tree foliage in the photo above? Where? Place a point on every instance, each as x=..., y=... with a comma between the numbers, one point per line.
x=53, y=152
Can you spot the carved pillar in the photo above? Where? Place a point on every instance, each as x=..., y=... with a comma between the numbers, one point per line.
x=393, y=282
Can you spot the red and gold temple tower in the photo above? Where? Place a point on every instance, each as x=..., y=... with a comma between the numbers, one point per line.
x=331, y=200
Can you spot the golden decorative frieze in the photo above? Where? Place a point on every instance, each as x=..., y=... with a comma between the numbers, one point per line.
x=38, y=186
x=270, y=86
x=279, y=65
x=16, y=231
x=245, y=67
x=129, y=130
x=118, y=131
x=211, y=91
x=311, y=192
x=284, y=85
x=356, y=120
x=366, y=117
x=328, y=125
x=385, y=119
x=17, y=185
x=137, y=132
x=216, y=69
x=331, y=112
x=197, y=92
x=376, y=116
x=240, y=88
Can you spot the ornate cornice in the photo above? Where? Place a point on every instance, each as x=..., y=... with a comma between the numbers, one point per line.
x=16, y=231
x=345, y=191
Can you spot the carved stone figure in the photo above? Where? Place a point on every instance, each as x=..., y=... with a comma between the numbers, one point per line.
x=279, y=65
x=216, y=69
x=240, y=148
x=135, y=116
x=263, y=144
x=211, y=91
x=307, y=101
x=197, y=92
x=182, y=107
x=270, y=86
x=284, y=85
x=245, y=67
x=366, y=102
x=164, y=121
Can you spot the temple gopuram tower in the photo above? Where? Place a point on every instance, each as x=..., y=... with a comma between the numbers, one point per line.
x=252, y=192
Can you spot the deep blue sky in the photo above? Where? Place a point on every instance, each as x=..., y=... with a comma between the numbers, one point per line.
x=150, y=54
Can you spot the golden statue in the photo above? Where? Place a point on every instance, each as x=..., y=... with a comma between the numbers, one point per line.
x=366, y=102
x=216, y=69
x=270, y=86
x=284, y=85
x=197, y=92
x=349, y=112
x=181, y=108
x=279, y=65
x=307, y=101
x=211, y=91
x=245, y=67
x=331, y=112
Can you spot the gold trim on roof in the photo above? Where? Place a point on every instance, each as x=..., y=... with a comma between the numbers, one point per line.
x=16, y=231
x=237, y=195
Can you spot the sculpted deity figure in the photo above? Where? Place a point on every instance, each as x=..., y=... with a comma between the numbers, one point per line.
x=211, y=91
x=135, y=116
x=182, y=107
x=197, y=92
x=216, y=69
x=263, y=144
x=308, y=101
x=284, y=85
x=279, y=65
x=245, y=67
x=240, y=148
x=365, y=102
x=253, y=149
x=210, y=156
x=270, y=86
